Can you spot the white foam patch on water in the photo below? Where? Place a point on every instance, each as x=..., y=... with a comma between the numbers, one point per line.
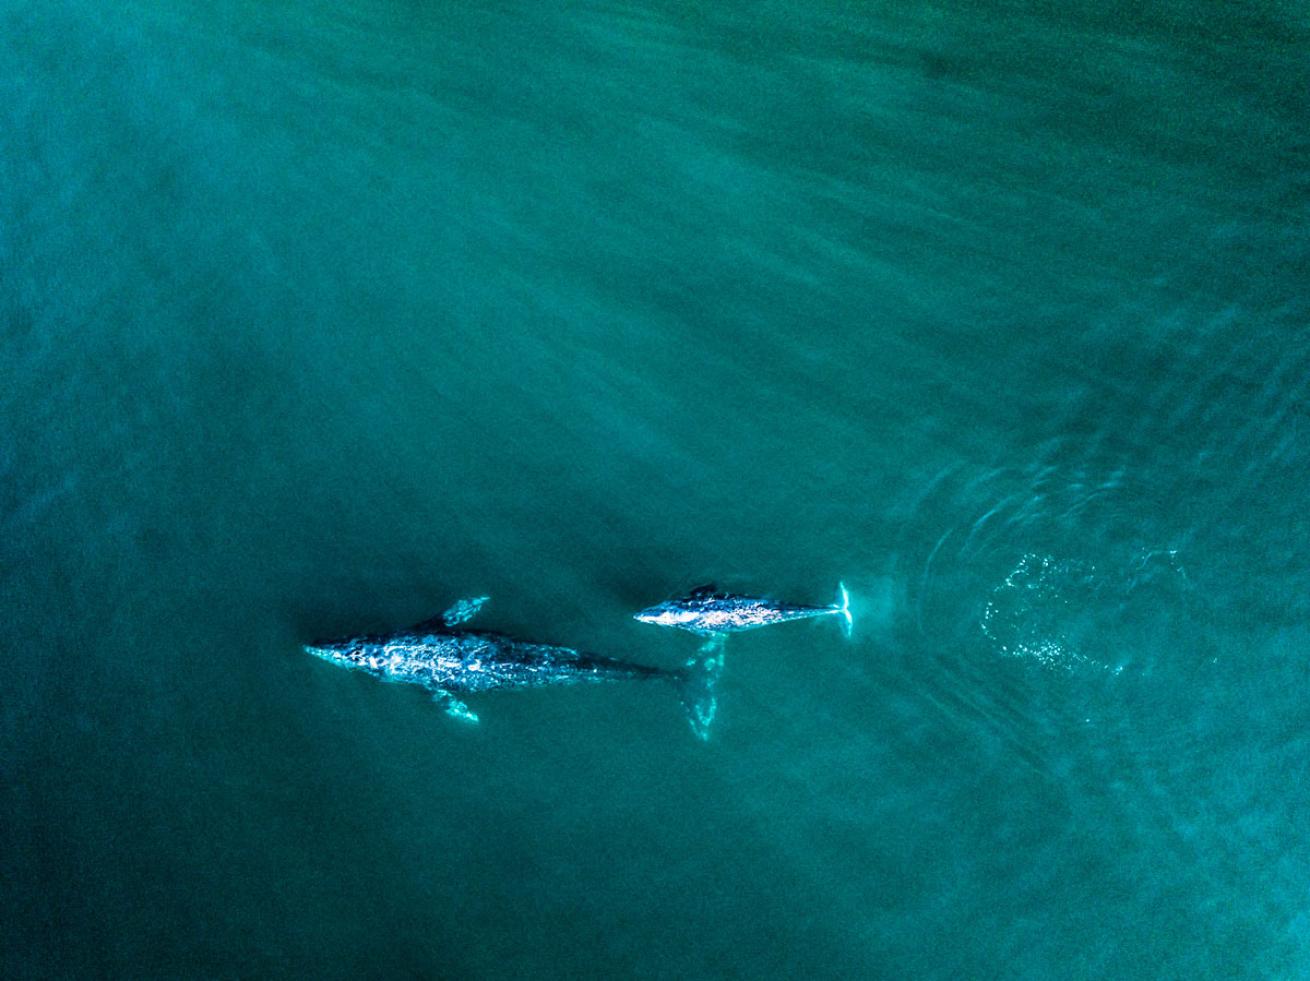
x=1066, y=613
x=1022, y=618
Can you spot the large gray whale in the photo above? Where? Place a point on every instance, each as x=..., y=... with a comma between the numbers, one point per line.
x=450, y=662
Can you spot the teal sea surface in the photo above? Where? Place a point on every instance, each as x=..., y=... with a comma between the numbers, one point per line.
x=316, y=317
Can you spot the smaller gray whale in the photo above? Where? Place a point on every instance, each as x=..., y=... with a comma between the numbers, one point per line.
x=449, y=662
x=709, y=612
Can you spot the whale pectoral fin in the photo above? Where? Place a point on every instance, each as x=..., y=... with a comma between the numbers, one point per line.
x=464, y=610
x=713, y=645
x=696, y=684
x=454, y=707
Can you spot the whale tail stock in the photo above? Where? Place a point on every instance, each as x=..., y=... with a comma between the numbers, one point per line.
x=697, y=685
x=843, y=607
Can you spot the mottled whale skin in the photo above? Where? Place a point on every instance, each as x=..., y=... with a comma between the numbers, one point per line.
x=708, y=612
x=450, y=662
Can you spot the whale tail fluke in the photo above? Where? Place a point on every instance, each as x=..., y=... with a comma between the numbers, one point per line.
x=697, y=685
x=843, y=607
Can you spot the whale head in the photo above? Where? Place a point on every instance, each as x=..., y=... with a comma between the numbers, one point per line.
x=344, y=654
x=670, y=614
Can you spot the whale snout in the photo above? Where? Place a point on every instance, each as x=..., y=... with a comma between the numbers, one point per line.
x=666, y=615
x=325, y=651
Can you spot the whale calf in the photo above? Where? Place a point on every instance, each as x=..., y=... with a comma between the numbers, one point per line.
x=449, y=662
x=709, y=612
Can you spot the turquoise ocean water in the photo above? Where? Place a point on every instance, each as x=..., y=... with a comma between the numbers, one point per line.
x=317, y=316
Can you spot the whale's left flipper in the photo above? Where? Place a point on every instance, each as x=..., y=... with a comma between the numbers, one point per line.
x=697, y=683
x=454, y=707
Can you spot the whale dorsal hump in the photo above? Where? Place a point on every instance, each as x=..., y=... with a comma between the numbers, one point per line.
x=709, y=589
x=464, y=610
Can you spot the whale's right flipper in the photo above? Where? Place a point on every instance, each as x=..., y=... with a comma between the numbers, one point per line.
x=454, y=707
x=697, y=683
x=464, y=610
